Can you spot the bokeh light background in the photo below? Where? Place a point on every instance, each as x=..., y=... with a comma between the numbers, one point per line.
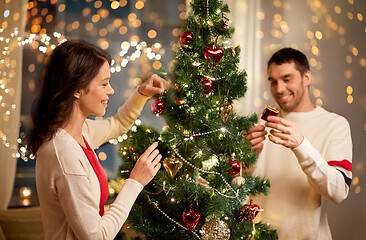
x=139, y=35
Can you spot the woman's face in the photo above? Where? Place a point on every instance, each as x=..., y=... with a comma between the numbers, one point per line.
x=94, y=99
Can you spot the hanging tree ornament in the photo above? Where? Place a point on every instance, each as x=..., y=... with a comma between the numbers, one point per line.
x=191, y=218
x=172, y=165
x=235, y=166
x=207, y=85
x=224, y=24
x=158, y=106
x=213, y=52
x=186, y=37
x=215, y=229
x=238, y=180
x=225, y=110
x=248, y=212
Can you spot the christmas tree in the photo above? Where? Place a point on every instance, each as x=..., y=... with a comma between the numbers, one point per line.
x=203, y=191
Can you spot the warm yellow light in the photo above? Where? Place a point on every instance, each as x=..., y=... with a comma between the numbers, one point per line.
x=61, y=7
x=104, y=44
x=349, y=90
x=44, y=11
x=348, y=74
x=132, y=17
x=349, y=59
x=139, y=5
x=137, y=82
x=103, y=32
x=102, y=156
x=363, y=62
x=95, y=18
x=312, y=62
x=117, y=22
x=315, y=50
x=115, y=5
x=319, y=102
x=277, y=17
x=314, y=19
x=152, y=34
x=122, y=3
x=355, y=181
x=31, y=68
x=350, y=15
x=350, y=2
x=16, y=16
x=49, y=18
x=318, y=35
x=316, y=93
x=337, y=9
x=349, y=99
x=89, y=26
x=182, y=15
x=260, y=15
x=75, y=25
x=86, y=11
x=123, y=30
x=358, y=190
x=359, y=17
x=98, y=4
x=355, y=51
x=157, y=65
x=310, y=34
x=25, y=192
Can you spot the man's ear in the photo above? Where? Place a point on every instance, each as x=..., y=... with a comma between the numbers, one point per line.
x=307, y=78
x=77, y=94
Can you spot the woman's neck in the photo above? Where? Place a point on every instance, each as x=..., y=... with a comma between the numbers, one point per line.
x=74, y=126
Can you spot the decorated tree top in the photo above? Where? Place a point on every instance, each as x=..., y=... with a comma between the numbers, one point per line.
x=203, y=191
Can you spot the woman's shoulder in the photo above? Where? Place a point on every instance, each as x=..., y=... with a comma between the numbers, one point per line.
x=64, y=153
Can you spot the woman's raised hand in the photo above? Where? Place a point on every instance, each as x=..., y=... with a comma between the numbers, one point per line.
x=147, y=165
x=154, y=85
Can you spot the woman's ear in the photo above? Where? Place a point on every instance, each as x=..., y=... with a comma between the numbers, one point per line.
x=77, y=94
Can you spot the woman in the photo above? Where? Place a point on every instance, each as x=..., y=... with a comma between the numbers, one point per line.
x=72, y=185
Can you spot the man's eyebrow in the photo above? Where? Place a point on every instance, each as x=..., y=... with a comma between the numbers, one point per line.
x=284, y=76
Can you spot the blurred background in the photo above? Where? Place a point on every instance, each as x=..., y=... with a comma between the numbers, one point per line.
x=139, y=35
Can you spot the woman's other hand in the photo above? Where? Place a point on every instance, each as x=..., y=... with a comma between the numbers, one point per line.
x=147, y=165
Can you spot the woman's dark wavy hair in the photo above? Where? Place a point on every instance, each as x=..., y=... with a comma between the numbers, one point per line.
x=288, y=55
x=71, y=67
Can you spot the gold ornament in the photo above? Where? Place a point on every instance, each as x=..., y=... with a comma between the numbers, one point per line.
x=214, y=229
x=172, y=165
x=225, y=110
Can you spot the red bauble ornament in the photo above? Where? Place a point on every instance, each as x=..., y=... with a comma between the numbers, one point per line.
x=235, y=166
x=186, y=37
x=191, y=218
x=215, y=53
x=248, y=212
x=158, y=106
x=207, y=85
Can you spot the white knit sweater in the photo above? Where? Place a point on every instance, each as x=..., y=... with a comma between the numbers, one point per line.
x=68, y=188
x=304, y=178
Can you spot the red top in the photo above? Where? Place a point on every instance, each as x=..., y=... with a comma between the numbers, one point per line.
x=101, y=175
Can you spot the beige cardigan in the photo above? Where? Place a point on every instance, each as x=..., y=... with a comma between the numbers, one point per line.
x=68, y=188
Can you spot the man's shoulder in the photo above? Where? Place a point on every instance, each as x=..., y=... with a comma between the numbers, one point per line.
x=332, y=117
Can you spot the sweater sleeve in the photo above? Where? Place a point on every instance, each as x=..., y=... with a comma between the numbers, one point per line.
x=83, y=216
x=101, y=131
x=330, y=174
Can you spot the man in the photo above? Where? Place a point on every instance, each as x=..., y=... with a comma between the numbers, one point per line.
x=307, y=156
